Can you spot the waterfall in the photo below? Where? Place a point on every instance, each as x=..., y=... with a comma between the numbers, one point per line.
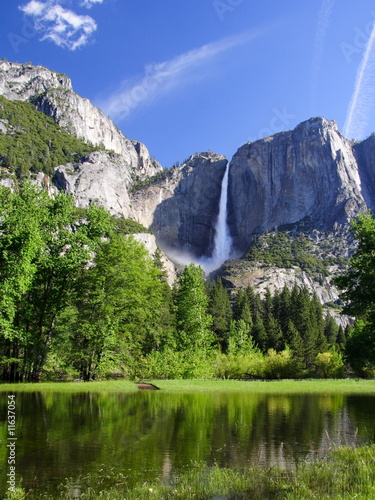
x=222, y=240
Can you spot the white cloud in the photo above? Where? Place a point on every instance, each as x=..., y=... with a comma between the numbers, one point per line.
x=62, y=26
x=34, y=8
x=90, y=3
x=162, y=77
x=363, y=98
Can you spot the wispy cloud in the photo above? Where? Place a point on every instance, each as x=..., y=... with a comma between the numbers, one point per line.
x=62, y=26
x=90, y=3
x=363, y=97
x=319, y=44
x=163, y=77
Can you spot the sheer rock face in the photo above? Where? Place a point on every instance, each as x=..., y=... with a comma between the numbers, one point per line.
x=365, y=154
x=52, y=93
x=101, y=178
x=310, y=172
x=182, y=206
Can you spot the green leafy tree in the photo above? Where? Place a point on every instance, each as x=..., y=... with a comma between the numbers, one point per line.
x=119, y=319
x=239, y=338
x=44, y=249
x=193, y=320
x=358, y=286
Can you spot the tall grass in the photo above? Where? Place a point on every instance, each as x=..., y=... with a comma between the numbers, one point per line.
x=345, y=474
x=100, y=386
x=316, y=386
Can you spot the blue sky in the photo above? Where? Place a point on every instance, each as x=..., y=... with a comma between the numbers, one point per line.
x=184, y=76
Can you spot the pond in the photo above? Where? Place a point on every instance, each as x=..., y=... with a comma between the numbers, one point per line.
x=153, y=434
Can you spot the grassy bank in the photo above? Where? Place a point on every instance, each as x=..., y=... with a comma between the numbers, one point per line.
x=347, y=473
x=321, y=386
x=100, y=386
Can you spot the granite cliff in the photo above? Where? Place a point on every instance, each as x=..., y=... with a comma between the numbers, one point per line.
x=310, y=172
x=52, y=93
x=309, y=179
x=181, y=206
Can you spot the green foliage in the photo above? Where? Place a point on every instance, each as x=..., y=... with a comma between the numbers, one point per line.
x=359, y=295
x=220, y=310
x=34, y=142
x=193, y=320
x=284, y=249
x=128, y=226
x=279, y=365
x=119, y=317
x=329, y=365
x=138, y=184
x=172, y=364
x=240, y=365
x=44, y=249
x=239, y=339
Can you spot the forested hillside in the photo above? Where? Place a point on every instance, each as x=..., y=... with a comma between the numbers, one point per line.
x=30, y=141
x=80, y=298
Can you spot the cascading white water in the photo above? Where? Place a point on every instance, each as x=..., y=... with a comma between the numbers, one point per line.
x=222, y=241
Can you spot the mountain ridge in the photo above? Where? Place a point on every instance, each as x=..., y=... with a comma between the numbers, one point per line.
x=310, y=177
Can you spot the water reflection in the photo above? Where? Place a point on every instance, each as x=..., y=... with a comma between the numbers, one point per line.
x=153, y=434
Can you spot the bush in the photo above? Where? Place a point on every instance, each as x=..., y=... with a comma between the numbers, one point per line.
x=171, y=364
x=279, y=365
x=239, y=366
x=329, y=365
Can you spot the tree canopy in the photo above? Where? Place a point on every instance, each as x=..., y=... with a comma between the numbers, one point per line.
x=358, y=286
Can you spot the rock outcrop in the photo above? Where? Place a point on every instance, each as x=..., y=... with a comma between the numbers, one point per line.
x=24, y=82
x=365, y=154
x=181, y=207
x=52, y=93
x=310, y=177
x=310, y=172
x=101, y=178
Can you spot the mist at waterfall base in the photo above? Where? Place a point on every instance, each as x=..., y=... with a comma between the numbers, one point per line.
x=223, y=244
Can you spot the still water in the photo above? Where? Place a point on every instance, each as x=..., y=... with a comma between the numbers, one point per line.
x=151, y=434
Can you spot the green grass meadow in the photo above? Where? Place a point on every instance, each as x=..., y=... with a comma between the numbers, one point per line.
x=319, y=386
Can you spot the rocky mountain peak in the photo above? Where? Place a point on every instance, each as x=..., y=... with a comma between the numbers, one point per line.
x=25, y=81
x=52, y=93
x=310, y=171
x=198, y=159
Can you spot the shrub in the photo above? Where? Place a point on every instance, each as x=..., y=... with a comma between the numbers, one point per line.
x=329, y=365
x=279, y=365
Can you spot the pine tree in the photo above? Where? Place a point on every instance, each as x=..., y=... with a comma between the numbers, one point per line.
x=331, y=330
x=274, y=334
x=282, y=307
x=255, y=302
x=242, y=308
x=294, y=341
x=341, y=339
x=221, y=312
x=258, y=333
